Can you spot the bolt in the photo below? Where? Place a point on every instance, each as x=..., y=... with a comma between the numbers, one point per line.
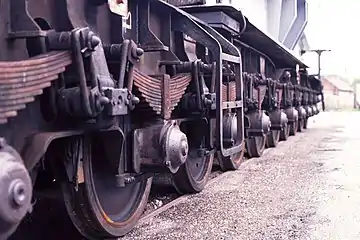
x=135, y=100
x=139, y=52
x=18, y=192
x=184, y=147
x=94, y=41
x=104, y=100
x=129, y=179
x=208, y=101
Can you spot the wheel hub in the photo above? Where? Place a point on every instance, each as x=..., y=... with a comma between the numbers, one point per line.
x=175, y=148
x=15, y=192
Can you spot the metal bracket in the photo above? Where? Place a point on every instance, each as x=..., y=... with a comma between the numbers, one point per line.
x=21, y=23
x=148, y=41
x=120, y=99
x=222, y=50
x=38, y=144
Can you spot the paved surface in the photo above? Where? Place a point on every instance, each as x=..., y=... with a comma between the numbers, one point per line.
x=308, y=188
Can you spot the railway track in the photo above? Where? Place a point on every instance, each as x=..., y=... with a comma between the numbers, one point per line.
x=57, y=225
x=161, y=201
x=90, y=109
x=164, y=196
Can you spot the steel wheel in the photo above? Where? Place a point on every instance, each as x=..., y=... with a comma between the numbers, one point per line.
x=255, y=146
x=232, y=162
x=99, y=208
x=294, y=127
x=272, y=138
x=285, y=133
x=233, y=138
x=194, y=173
x=300, y=125
x=305, y=123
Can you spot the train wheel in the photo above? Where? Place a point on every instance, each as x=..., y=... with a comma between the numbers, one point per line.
x=255, y=146
x=97, y=206
x=305, y=123
x=285, y=133
x=300, y=125
x=232, y=162
x=194, y=173
x=272, y=138
x=294, y=127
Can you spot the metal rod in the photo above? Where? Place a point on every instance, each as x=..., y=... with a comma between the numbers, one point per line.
x=319, y=52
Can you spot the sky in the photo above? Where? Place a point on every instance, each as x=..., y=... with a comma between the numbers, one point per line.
x=334, y=25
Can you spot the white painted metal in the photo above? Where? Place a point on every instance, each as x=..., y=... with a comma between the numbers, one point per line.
x=273, y=17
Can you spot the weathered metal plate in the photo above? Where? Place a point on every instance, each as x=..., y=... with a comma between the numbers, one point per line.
x=185, y=2
x=119, y=7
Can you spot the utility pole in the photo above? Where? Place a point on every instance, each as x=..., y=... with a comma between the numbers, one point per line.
x=319, y=52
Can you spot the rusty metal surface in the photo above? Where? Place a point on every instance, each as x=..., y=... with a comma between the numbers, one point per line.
x=22, y=81
x=77, y=101
x=185, y=2
x=38, y=144
x=150, y=89
x=229, y=92
x=15, y=190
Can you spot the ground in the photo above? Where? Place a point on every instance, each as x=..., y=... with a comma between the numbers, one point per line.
x=306, y=188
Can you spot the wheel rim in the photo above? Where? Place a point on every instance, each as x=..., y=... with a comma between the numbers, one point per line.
x=99, y=208
x=277, y=135
x=305, y=123
x=300, y=125
x=116, y=204
x=197, y=165
x=237, y=158
x=193, y=174
x=296, y=124
x=231, y=162
x=287, y=131
x=260, y=143
x=256, y=146
x=273, y=138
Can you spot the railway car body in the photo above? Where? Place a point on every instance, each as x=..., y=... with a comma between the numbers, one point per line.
x=97, y=96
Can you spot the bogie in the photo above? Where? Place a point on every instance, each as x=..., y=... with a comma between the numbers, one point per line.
x=110, y=95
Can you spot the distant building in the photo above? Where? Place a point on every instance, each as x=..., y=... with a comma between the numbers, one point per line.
x=338, y=93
